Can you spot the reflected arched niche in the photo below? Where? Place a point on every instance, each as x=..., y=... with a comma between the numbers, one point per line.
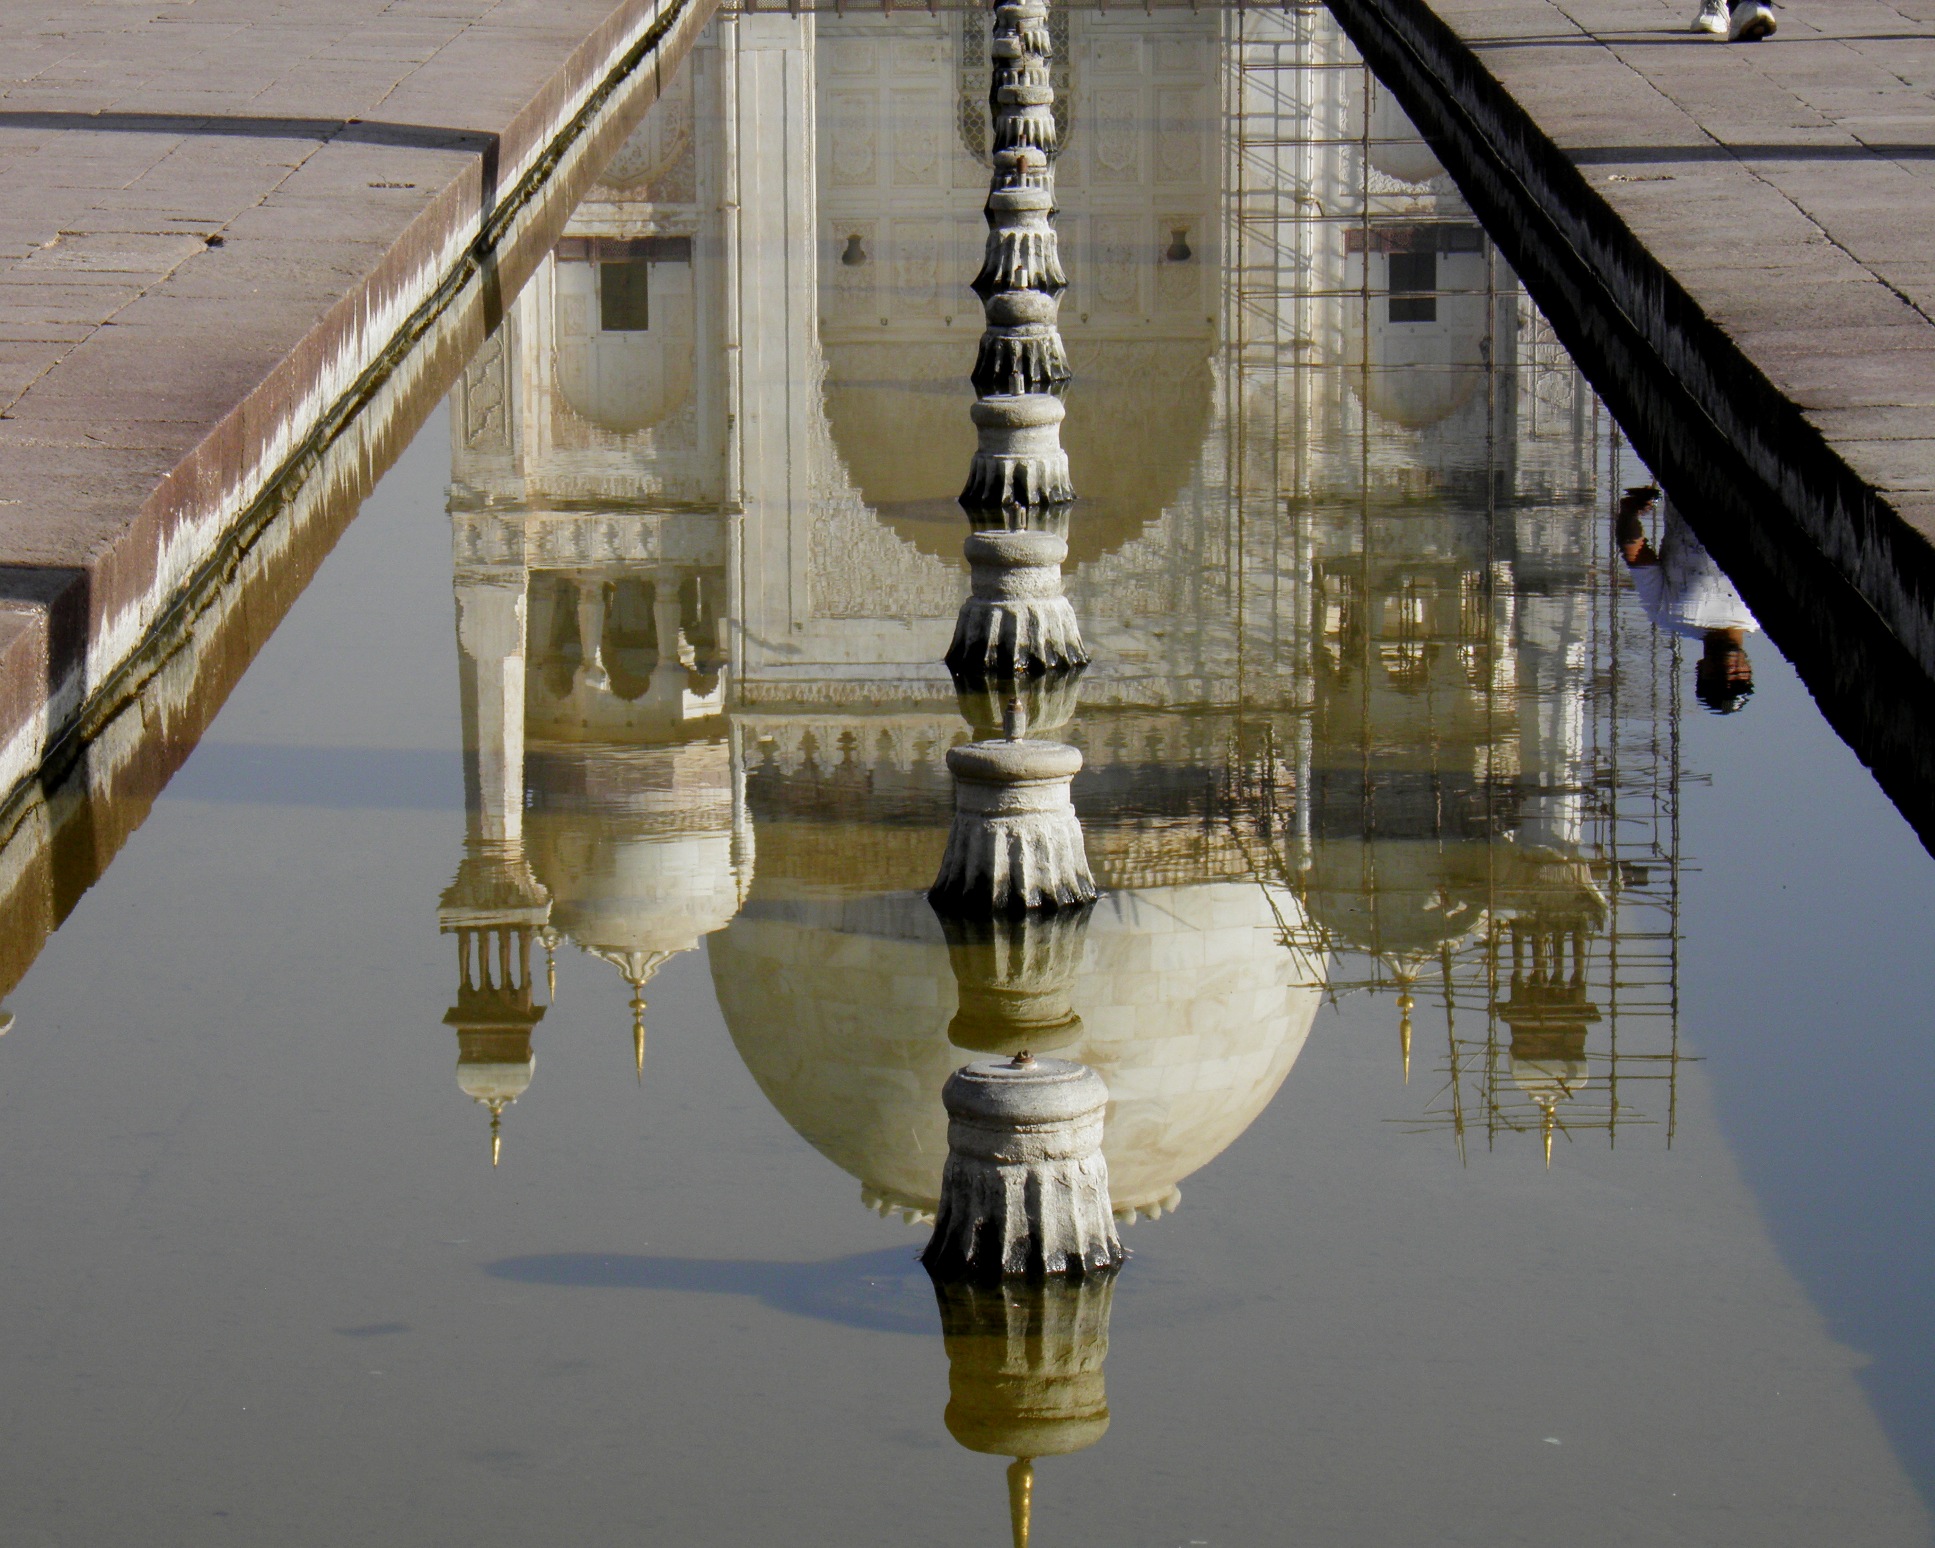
x=630, y=378
x=1419, y=374
x=1192, y=1011
x=1138, y=411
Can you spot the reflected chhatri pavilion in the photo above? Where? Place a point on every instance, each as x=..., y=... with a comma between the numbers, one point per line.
x=1365, y=712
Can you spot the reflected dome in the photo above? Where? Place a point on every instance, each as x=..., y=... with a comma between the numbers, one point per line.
x=496, y=1077
x=1192, y=1013
x=1549, y=1081
x=1399, y=900
x=637, y=846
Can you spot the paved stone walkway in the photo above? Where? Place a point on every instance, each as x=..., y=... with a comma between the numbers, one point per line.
x=214, y=216
x=1785, y=189
x=1790, y=185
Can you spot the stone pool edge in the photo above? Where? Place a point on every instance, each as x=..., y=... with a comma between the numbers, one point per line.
x=1671, y=373
x=66, y=671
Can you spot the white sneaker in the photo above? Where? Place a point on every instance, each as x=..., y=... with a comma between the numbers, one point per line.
x=1712, y=18
x=1752, y=21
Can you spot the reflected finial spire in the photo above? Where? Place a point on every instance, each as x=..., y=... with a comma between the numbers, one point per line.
x=1404, y=1028
x=496, y=1131
x=1021, y=1498
x=550, y=939
x=638, y=1031
x=1546, y=1124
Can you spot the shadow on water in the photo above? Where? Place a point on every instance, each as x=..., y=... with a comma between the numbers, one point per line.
x=878, y=1292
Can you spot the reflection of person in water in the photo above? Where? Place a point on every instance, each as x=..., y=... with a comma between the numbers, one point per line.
x=1685, y=592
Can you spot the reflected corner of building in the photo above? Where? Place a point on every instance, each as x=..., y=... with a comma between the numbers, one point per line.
x=1367, y=717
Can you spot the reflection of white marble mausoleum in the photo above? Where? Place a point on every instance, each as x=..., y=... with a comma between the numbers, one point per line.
x=707, y=560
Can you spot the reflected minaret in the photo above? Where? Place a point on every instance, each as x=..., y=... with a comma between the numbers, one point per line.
x=494, y=1014
x=1548, y=1004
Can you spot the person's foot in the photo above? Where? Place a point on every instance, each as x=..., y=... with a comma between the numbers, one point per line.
x=1752, y=21
x=1712, y=18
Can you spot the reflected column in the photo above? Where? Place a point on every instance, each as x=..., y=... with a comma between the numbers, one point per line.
x=494, y=906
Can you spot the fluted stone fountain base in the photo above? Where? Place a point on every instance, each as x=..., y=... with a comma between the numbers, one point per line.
x=1021, y=251
x=1015, y=843
x=1014, y=361
x=1017, y=622
x=1025, y=1192
x=1018, y=456
x=1027, y=22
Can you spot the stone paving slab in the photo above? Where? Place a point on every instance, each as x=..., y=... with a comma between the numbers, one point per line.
x=215, y=220
x=1755, y=223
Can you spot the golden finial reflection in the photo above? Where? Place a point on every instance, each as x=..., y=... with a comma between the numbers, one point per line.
x=1021, y=1498
x=496, y=1132
x=1404, y=1025
x=549, y=937
x=636, y=968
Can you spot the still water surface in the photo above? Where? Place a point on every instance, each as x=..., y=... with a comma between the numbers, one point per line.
x=1519, y=1070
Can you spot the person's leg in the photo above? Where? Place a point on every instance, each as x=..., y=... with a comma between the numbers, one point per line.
x=1751, y=21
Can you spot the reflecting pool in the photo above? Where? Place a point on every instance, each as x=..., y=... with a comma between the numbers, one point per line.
x=493, y=1090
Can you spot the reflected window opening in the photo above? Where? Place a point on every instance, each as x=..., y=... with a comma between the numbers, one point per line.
x=624, y=296
x=1414, y=281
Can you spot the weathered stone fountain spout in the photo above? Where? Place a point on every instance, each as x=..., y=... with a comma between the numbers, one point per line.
x=1015, y=843
x=1025, y=1192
